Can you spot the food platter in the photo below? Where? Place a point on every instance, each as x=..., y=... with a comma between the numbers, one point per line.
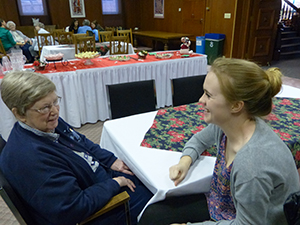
x=164, y=55
x=54, y=57
x=87, y=56
x=119, y=58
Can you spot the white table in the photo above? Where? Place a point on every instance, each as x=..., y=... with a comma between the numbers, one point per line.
x=123, y=137
x=83, y=92
x=69, y=51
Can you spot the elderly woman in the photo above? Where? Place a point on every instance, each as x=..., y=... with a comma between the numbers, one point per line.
x=254, y=172
x=18, y=36
x=86, y=27
x=39, y=27
x=6, y=38
x=61, y=176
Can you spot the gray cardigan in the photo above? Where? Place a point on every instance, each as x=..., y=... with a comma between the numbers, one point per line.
x=262, y=176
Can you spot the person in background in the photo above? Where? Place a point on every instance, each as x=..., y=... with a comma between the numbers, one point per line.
x=34, y=48
x=7, y=39
x=96, y=25
x=254, y=172
x=61, y=176
x=74, y=26
x=18, y=36
x=86, y=27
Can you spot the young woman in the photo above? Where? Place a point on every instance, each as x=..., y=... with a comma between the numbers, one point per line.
x=254, y=171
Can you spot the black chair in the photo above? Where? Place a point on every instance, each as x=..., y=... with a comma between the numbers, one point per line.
x=131, y=98
x=11, y=198
x=22, y=215
x=187, y=90
x=291, y=209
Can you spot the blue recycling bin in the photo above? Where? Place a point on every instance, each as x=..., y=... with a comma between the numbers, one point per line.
x=200, y=44
x=214, y=46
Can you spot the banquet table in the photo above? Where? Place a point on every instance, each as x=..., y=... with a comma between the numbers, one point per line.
x=124, y=137
x=69, y=50
x=83, y=88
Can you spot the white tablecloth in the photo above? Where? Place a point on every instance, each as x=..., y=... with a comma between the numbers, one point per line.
x=69, y=51
x=83, y=92
x=124, y=136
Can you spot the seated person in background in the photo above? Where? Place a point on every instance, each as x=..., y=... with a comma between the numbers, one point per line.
x=7, y=39
x=61, y=176
x=74, y=26
x=18, y=36
x=96, y=25
x=34, y=48
x=85, y=27
x=254, y=172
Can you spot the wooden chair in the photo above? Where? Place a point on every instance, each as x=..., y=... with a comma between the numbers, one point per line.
x=84, y=43
x=44, y=40
x=55, y=32
x=12, y=199
x=2, y=50
x=105, y=36
x=118, y=45
x=187, y=90
x=127, y=33
x=65, y=37
x=137, y=97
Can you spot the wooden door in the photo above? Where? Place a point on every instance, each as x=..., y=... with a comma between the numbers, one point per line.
x=263, y=27
x=193, y=14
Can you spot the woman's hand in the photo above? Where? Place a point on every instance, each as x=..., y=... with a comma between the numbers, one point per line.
x=178, y=172
x=120, y=166
x=122, y=181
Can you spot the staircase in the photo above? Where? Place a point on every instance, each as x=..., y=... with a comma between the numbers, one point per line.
x=290, y=44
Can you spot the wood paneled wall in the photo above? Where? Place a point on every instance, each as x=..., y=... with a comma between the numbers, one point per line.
x=196, y=17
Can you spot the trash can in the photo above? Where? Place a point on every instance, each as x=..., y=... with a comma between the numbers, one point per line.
x=214, y=46
x=200, y=44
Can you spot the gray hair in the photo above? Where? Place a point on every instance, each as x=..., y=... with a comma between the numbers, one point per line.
x=86, y=22
x=10, y=22
x=40, y=24
x=21, y=89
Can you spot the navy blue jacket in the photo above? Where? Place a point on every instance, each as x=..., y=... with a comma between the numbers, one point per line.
x=56, y=184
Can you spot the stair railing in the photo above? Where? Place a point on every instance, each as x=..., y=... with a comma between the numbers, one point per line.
x=290, y=15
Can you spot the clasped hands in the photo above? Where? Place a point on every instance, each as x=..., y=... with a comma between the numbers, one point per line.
x=120, y=166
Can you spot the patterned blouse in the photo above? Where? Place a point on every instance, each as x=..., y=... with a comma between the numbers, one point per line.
x=219, y=199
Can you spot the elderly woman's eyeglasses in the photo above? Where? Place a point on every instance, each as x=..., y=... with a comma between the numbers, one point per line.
x=47, y=108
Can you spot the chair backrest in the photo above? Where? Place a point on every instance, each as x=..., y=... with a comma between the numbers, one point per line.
x=127, y=99
x=105, y=35
x=83, y=44
x=11, y=198
x=2, y=50
x=127, y=33
x=187, y=90
x=55, y=32
x=44, y=40
x=118, y=45
x=65, y=37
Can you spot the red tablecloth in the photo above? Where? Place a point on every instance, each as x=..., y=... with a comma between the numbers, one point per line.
x=102, y=62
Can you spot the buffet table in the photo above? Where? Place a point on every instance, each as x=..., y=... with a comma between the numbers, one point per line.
x=125, y=136
x=69, y=50
x=83, y=88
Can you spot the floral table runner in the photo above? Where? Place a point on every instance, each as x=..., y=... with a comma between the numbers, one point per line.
x=173, y=127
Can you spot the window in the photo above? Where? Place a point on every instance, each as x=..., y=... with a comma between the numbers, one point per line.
x=111, y=7
x=32, y=7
